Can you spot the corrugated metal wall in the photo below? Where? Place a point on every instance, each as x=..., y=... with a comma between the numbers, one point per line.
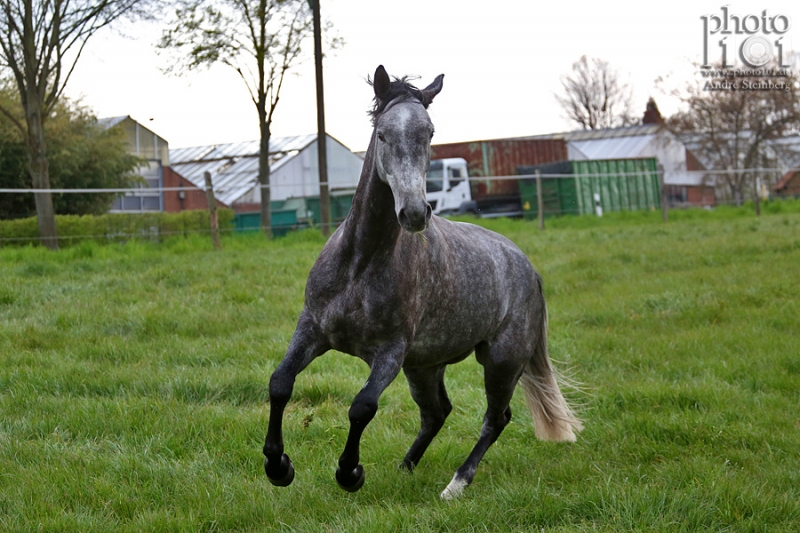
x=501, y=157
x=623, y=184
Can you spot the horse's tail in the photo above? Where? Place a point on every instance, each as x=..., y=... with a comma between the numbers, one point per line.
x=553, y=418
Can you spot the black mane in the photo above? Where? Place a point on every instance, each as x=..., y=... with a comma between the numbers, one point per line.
x=399, y=88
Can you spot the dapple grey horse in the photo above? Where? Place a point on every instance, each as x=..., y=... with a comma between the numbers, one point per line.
x=403, y=290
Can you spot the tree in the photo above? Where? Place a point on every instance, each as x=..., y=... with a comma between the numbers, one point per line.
x=731, y=123
x=594, y=97
x=81, y=154
x=40, y=44
x=260, y=39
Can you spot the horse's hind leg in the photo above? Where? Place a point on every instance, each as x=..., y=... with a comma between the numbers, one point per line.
x=500, y=380
x=427, y=389
x=307, y=344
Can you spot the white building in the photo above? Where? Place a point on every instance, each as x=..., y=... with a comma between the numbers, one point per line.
x=294, y=169
x=144, y=143
x=684, y=184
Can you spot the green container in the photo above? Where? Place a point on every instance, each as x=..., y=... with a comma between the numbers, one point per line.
x=559, y=195
x=623, y=184
x=292, y=213
x=283, y=221
x=340, y=206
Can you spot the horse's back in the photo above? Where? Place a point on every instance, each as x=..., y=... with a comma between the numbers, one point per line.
x=484, y=255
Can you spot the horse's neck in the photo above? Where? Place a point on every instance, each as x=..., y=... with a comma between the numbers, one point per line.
x=372, y=225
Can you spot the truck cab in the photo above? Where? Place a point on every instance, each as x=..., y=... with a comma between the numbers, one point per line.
x=447, y=187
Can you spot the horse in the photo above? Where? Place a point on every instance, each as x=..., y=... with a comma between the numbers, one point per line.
x=403, y=290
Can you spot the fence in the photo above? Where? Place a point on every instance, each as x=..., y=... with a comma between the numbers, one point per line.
x=114, y=227
x=581, y=191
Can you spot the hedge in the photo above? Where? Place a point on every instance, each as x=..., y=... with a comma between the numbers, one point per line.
x=113, y=227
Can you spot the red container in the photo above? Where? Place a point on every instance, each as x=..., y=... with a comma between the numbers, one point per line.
x=500, y=157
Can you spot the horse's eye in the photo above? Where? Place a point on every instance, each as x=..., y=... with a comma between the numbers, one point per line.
x=431, y=135
x=381, y=137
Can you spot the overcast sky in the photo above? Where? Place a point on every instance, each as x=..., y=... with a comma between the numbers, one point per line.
x=502, y=62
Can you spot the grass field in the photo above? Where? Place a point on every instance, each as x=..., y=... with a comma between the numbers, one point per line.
x=133, y=390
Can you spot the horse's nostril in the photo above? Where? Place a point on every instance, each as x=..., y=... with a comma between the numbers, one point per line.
x=403, y=218
x=414, y=218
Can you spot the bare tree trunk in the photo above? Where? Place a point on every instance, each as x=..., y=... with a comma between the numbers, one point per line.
x=263, y=180
x=39, y=168
x=736, y=189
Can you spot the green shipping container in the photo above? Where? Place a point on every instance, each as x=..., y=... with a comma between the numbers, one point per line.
x=340, y=206
x=623, y=184
x=292, y=213
x=559, y=195
x=283, y=221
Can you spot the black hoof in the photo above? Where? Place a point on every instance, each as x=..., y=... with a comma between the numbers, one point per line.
x=406, y=465
x=283, y=475
x=351, y=481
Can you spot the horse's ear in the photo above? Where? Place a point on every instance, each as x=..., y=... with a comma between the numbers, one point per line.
x=381, y=83
x=432, y=90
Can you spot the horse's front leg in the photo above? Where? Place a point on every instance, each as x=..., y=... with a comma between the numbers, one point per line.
x=385, y=366
x=307, y=344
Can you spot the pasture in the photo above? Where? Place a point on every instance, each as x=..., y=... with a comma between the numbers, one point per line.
x=133, y=389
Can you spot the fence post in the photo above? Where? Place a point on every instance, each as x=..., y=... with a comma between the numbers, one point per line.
x=212, y=211
x=539, y=199
x=663, y=191
x=757, y=195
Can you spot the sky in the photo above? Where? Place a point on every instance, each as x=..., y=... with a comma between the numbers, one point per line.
x=502, y=60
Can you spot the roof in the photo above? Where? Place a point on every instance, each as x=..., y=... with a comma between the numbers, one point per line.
x=611, y=148
x=782, y=152
x=611, y=143
x=607, y=133
x=613, y=133
x=234, y=166
x=110, y=122
x=785, y=179
x=142, y=141
x=787, y=150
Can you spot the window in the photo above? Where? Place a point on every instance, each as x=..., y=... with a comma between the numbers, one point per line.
x=435, y=181
x=145, y=199
x=455, y=176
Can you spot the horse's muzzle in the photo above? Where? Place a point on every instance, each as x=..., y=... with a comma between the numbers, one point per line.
x=415, y=218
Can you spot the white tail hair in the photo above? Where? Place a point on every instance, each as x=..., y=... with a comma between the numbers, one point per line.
x=553, y=419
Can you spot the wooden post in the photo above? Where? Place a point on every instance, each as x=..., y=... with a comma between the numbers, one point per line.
x=663, y=191
x=212, y=211
x=539, y=199
x=322, y=138
x=757, y=195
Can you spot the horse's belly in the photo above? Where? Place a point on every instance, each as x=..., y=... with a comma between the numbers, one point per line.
x=442, y=343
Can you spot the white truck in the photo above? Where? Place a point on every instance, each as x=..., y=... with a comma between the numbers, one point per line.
x=448, y=188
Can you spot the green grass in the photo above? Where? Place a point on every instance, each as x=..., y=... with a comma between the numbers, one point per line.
x=133, y=389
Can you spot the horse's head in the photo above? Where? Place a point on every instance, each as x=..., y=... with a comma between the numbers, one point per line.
x=402, y=143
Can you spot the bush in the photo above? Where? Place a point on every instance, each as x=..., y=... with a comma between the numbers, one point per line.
x=113, y=227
